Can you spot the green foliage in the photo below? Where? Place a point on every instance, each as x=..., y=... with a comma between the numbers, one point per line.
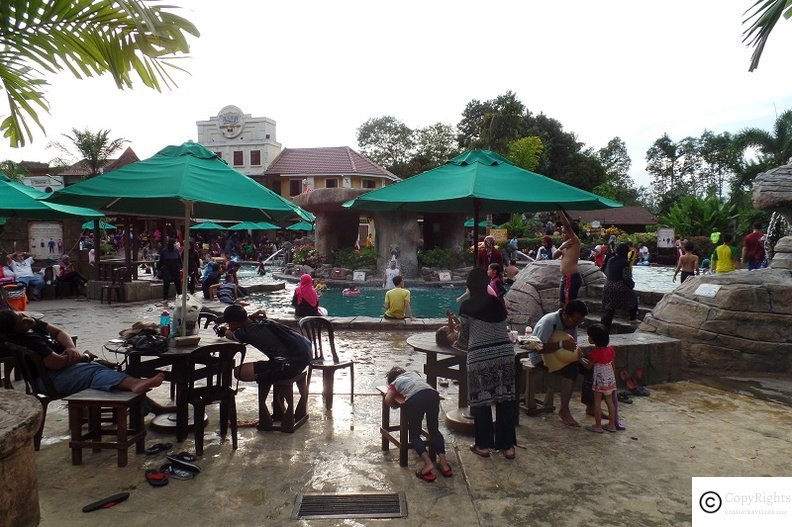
x=307, y=255
x=443, y=258
x=87, y=37
x=533, y=242
x=763, y=19
x=693, y=216
x=386, y=141
x=526, y=152
x=95, y=148
x=14, y=171
x=774, y=148
x=492, y=124
x=518, y=226
x=618, y=184
x=353, y=259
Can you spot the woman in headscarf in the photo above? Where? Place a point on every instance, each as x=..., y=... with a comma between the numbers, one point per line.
x=618, y=292
x=489, y=254
x=69, y=273
x=491, y=371
x=305, y=299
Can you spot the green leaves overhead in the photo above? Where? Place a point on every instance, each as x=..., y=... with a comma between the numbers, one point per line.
x=764, y=15
x=123, y=38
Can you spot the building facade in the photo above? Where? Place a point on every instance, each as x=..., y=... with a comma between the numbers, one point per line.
x=246, y=143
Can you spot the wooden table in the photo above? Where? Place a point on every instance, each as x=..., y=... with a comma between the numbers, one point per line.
x=178, y=359
x=451, y=363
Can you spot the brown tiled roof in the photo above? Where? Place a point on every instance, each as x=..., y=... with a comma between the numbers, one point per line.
x=619, y=216
x=81, y=168
x=338, y=160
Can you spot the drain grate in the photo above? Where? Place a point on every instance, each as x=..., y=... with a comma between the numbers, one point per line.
x=360, y=505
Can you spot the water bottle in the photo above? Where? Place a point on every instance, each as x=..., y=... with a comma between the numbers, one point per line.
x=165, y=321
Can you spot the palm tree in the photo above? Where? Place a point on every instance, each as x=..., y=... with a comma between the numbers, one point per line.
x=765, y=15
x=124, y=38
x=773, y=148
x=94, y=147
x=13, y=170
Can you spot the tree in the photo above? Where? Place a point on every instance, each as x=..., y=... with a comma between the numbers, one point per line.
x=560, y=147
x=722, y=159
x=386, y=141
x=434, y=145
x=526, y=152
x=763, y=19
x=13, y=170
x=492, y=124
x=773, y=149
x=674, y=167
x=87, y=37
x=691, y=216
x=616, y=162
x=94, y=147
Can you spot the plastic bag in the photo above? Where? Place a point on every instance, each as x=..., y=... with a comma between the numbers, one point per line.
x=191, y=315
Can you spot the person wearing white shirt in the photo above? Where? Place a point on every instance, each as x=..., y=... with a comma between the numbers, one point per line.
x=390, y=272
x=21, y=263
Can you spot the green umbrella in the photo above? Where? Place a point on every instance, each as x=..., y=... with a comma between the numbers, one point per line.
x=207, y=226
x=301, y=226
x=469, y=223
x=479, y=181
x=253, y=226
x=21, y=201
x=184, y=181
x=102, y=225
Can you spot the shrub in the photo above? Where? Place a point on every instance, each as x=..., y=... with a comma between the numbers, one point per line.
x=445, y=258
x=354, y=259
x=307, y=255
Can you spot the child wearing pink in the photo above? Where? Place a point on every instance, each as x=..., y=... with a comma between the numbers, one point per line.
x=604, y=379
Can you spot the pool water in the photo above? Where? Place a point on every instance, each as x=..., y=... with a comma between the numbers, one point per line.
x=656, y=279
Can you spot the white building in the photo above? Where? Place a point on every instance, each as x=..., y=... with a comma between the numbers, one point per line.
x=247, y=143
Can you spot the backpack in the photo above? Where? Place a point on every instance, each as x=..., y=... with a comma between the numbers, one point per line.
x=288, y=336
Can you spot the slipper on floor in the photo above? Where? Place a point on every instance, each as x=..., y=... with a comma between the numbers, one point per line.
x=482, y=453
x=428, y=477
x=640, y=390
x=177, y=472
x=156, y=478
x=185, y=461
x=595, y=429
x=624, y=397
x=608, y=429
x=157, y=448
x=249, y=423
x=446, y=473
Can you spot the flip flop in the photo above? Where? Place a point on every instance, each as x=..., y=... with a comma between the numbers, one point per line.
x=428, y=477
x=608, y=429
x=481, y=453
x=595, y=429
x=177, y=472
x=624, y=397
x=185, y=461
x=156, y=478
x=157, y=448
x=446, y=473
x=640, y=390
x=251, y=423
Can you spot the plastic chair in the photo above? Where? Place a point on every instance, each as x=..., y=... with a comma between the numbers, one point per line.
x=318, y=330
x=216, y=359
x=116, y=285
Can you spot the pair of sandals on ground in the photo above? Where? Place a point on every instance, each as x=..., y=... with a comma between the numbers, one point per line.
x=180, y=466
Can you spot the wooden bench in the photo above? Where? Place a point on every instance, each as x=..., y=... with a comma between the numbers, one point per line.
x=129, y=427
x=401, y=441
x=293, y=416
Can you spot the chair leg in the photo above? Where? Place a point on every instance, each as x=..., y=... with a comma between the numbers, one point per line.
x=223, y=418
x=286, y=393
x=122, y=435
x=198, y=427
x=232, y=415
x=327, y=391
x=310, y=370
x=302, y=404
x=138, y=424
x=75, y=428
x=265, y=418
x=352, y=383
x=404, y=438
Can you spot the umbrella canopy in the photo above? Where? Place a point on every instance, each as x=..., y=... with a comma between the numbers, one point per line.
x=483, y=178
x=301, y=226
x=207, y=226
x=161, y=185
x=469, y=223
x=253, y=226
x=22, y=201
x=102, y=225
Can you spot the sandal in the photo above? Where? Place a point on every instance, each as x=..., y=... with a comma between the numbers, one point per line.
x=185, y=461
x=446, y=473
x=426, y=476
x=177, y=472
x=156, y=478
x=639, y=390
x=624, y=397
x=157, y=448
x=478, y=452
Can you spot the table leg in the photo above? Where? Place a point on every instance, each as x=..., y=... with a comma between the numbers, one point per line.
x=463, y=387
x=182, y=399
x=429, y=369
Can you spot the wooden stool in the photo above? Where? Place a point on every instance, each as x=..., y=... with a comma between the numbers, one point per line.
x=401, y=442
x=536, y=377
x=126, y=406
x=293, y=416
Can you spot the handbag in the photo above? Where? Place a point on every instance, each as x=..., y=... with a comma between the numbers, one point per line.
x=145, y=343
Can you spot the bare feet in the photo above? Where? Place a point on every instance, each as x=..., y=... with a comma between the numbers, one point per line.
x=143, y=385
x=568, y=420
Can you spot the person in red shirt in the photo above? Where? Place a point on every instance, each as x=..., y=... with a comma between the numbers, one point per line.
x=489, y=254
x=604, y=381
x=753, y=251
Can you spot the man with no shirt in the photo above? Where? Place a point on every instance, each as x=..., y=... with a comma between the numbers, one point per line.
x=569, y=252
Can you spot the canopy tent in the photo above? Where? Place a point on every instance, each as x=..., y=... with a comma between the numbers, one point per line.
x=184, y=181
x=19, y=200
x=253, y=226
x=102, y=225
x=207, y=226
x=301, y=226
x=469, y=223
x=479, y=181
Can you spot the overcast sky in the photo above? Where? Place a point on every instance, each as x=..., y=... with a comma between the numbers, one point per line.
x=632, y=69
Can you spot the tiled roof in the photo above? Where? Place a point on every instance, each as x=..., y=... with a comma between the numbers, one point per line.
x=340, y=160
x=619, y=216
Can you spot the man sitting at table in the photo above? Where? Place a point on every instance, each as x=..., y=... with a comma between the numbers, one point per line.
x=287, y=359
x=69, y=370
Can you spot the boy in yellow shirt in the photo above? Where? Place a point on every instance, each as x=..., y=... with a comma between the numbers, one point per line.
x=724, y=258
x=397, y=300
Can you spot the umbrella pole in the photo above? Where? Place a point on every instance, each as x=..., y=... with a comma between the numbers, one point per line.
x=476, y=212
x=185, y=266
x=97, y=250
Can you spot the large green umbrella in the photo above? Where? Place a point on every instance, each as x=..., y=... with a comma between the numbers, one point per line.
x=21, y=201
x=469, y=223
x=479, y=181
x=301, y=226
x=253, y=226
x=102, y=225
x=181, y=181
x=207, y=226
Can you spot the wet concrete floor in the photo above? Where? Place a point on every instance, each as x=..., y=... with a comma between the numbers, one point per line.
x=561, y=476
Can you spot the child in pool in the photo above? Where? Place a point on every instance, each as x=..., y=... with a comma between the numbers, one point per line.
x=604, y=381
x=409, y=390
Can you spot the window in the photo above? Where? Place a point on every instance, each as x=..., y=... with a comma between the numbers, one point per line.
x=255, y=158
x=331, y=183
x=369, y=183
x=267, y=136
x=219, y=154
x=239, y=158
x=295, y=187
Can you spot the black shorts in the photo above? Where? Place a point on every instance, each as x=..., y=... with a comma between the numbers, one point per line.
x=570, y=371
x=686, y=275
x=268, y=371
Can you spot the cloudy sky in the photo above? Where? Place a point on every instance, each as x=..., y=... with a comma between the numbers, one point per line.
x=626, y=68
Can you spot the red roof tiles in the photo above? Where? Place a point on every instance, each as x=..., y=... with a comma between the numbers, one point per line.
x=340, y=160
